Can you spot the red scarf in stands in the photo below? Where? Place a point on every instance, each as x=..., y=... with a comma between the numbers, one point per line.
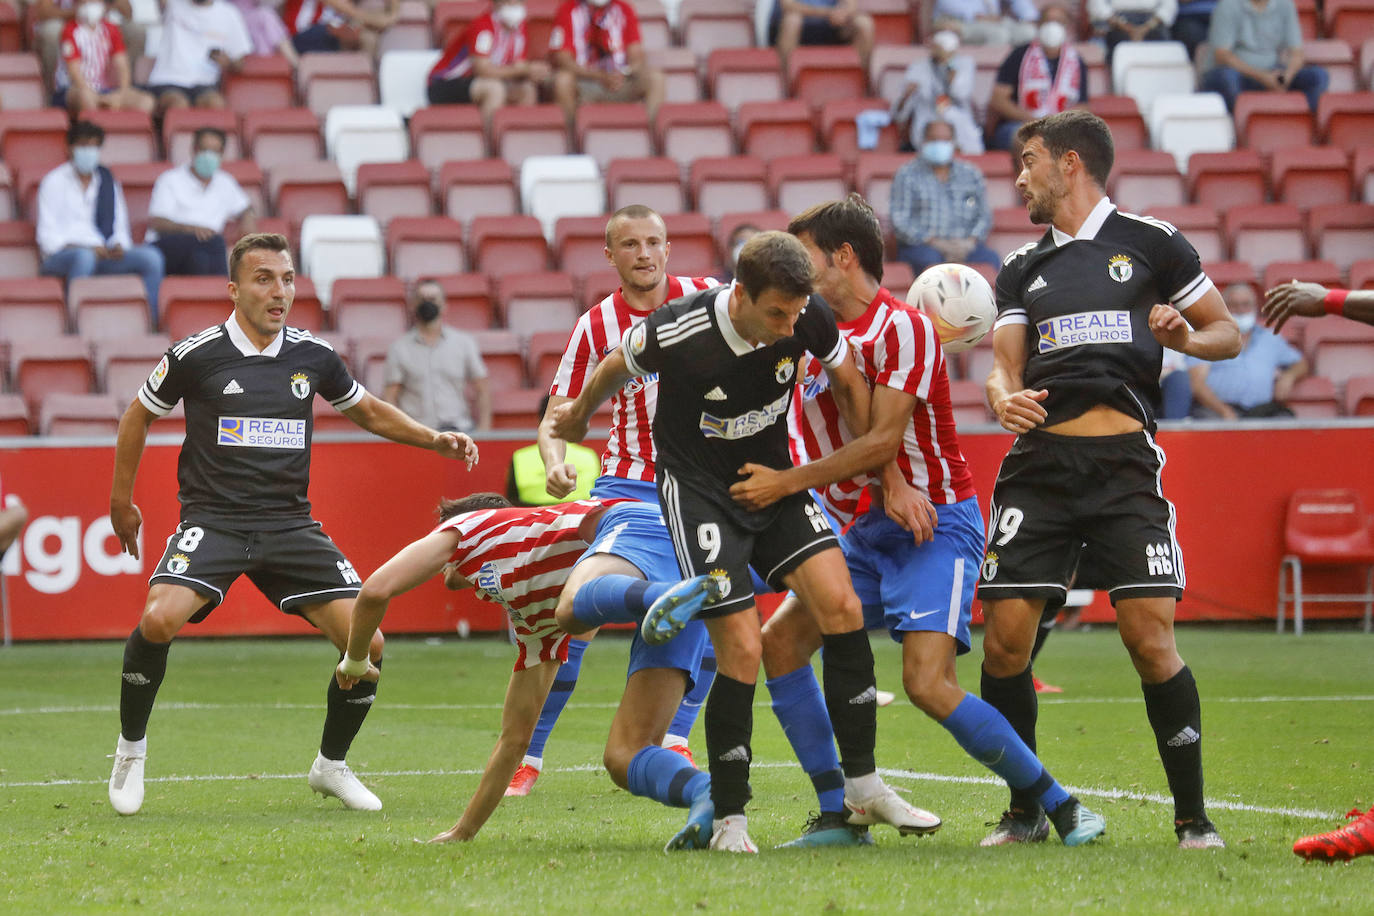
x=1041, y=94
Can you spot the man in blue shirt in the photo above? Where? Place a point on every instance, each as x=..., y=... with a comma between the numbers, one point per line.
x=1258, y=381
x=940, y=206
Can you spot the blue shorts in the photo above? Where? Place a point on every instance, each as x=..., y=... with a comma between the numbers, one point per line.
x=908, y=587
x=635, y=532
x=619, y=488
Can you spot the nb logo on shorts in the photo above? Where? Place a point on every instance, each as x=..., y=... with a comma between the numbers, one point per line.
x=1159, y=560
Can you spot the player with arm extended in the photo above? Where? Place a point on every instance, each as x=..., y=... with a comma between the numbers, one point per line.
x=243, y=473
x=913, y=555
x=727, y=361
x=1077, y=347
x=536, y=563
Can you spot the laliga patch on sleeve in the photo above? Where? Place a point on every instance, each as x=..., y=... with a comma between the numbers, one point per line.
x=638, y=338
x=160, y=373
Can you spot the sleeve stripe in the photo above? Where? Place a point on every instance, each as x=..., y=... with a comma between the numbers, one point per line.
x=836, y=354
x=1009, y=318
x=355, y=394
x=1191, y=292
x=628, y=352
x=154, y=405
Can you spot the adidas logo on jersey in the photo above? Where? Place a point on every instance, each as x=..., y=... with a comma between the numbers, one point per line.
x=233, y=387
x=739, y=752
x=1187, y=736
x=715, y=394
x=1037, y=283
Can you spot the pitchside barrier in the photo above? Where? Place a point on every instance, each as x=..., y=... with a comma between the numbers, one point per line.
x=67, y=580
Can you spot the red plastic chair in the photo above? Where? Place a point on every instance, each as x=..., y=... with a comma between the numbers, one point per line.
x=1143, y=180
x=1225, y=180
x=1266, y=121
x=282, y=136
x=387, y=190
x=1200, y=225
x=532, y=302
x=873, y=179
x=444, y=133
x=1122, y=115
x=1339, y=350
x=65, y=414
x=122, y=364
x=544, y=353
x=729, y=183
x=21, y=85
x=1264, y=233
x=303, y=189
x=468, y=298
x=822, y=73
x=1341, y=232
x=840, y=136
x=692, y=130
x=179, y=126
x=369, y=307
x=329, y=78
x=694, y=248
x=502, y=245
x=797, y=182
x=608, y=130
x=41, y=367
x=1323, y=272
x=1359, y=396
x=517, y=408
x=738, y=75
x=128, y=136
x=771, y=129
x=1314, y=398
x=579, y=244
x=681, y=84
x=654, y=182
x=1346, y=119
x=105, y=307
x=1351, y=21
x=478, y=187
x=708, y=24
x=32, y=308
x=425, y=245
x=1327, y=529
x=262, y=81
x=762, y=219
x=505, y=362
x=1311, y=175
x=528, y=130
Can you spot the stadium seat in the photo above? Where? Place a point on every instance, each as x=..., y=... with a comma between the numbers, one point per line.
x=771, y=129
x=1266, y=121
x=369, y=307
x=403, y=77
x=502, y=245
x=452, y=16
x=579, y=244
x=14, y=416
x=518, y=131
x=873, y=179
x=1264, y=233
x=367, y=361
x=1359, y=396
x=425, y=245
x=653, y=182
x=1307, y=18
x=543, y=353
x=887, y=67
x=1362, y=170
x=817, y=74
x=517, y=408
x=1200, y=225
x=893, y=22
x=331, y=78
x=62, y=414
x=1341, y=232
x=9, y=209
x=329, y=420
x=1327, y=529
x=250, y=178
x=32, y=308
x=762, y=219
x=504, y=359
x=387, y=190
x=1314, y=398
x=340, y=246
x=999, y=177
x=1362, y=274
x=354, y=134
x=1146, y=69
x=690, y=131
x=987, y=59
x=730, y=183
x=1352, y=21
x=737, y=75
x=137, y=180
x=1225, y=180
x=898, y=277
x=1186, y=124
x=287, y=136
x=468, y=300
x=21, y=82
x=444, y=133
x=1323, y=272
x=188, y=305
x=477, y=187
x=35, y=139
x=1310, y=175
x=1094, y=58
x=1337, y=58
x=1122, y=115
x=262, y=82
x=307, y=188
x=840, y=136
x=180, y=124
x=410, y=31
x=556, y=186
x=694, y=248
x=18, y=250
x=124, y=362
x=1143, y=180
x=655, y=32
x=1339, y=350
x=614, y=129
x=681, y=84
x=1012, y=228
x=539, y=26
x=39, y=367
x=537, y=302
x=129, y=136
x=969, y=401
x=708, y=24
x=1346, y=119
x=108, y=306
x=797, y=182
x=595, y=285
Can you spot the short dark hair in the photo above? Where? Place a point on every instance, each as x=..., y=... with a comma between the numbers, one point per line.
x=1078, y=130
x=634, y=211
x=85, y=130
x=775, y=260
x=258, y=241
x=209, y=132
x=473, y=502
x=851, y=220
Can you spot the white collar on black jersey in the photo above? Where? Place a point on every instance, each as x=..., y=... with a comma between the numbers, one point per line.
x=1094, y=222
x=240, y=340
x=737, y=344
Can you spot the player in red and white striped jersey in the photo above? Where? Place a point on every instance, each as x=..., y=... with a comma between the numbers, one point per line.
x=94, y=70
x=336, y=25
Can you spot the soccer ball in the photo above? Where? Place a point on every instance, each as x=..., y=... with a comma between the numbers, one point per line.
x=959, y=301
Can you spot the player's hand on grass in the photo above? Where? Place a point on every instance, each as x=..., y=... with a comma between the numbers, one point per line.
x=560, y=480
x=762, y=486
x=568, y=423
x=1169, y=327
x=455, y=834
x=1293, y=298
x=1020, y=412
x=126, y=519
x=913, y=510
x=348, y=681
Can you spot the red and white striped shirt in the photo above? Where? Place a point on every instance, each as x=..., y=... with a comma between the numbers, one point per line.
x=520, y=558
x=95, y=46
x=894, y=346
x=300, y=15
x=630, y=451
x=483, y=37
x=597, y=37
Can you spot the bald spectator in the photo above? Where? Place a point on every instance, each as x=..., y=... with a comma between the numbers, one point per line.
x=1255, y=383
x=598, y=56
x=435, y=373
x=95, y=71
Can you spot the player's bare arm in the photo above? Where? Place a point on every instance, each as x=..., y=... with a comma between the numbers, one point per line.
x=906, y=505
x=390, y=422
x=560, y=477
x=569, y=421
x=1207, y=331
x=1312, y=300
x=1018, y=408
x=125, y=517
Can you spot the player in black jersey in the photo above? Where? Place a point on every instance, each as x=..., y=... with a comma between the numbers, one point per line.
x=1083, y=317
x=727, y=363
x=243, y=474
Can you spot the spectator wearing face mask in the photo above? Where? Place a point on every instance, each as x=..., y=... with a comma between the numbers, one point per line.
x=1256, y=383
x=83, y=222
x=191, y=205
x=487, y=63
x=598, y=56
x=201, y=40
x=435, y=373
x=95, y=71
x=940, y=206
x=940, y=86
x=1037, y=79
x=50, y=19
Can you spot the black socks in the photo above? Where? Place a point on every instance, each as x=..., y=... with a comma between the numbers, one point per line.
x=345, y=711
x=145, y=664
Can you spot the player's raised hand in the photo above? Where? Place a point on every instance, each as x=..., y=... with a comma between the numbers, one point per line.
x=913, y=510
x=1021, y=411
x=568, y=424
x=560, y=480
x=762, y=486
x=1293, y=298
x=126, y=520
x=457, y=445
x=1169, y=327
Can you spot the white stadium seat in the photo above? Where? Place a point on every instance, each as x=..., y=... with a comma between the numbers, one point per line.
x=1145, y=69
x=402, y=77
x=354, y=134
x=556, y=186
x=340, y=246
x=1195, y=122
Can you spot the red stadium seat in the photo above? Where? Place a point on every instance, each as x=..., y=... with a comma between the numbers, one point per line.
x=502, y=245
x=1200, y=225
x=1362, y=170
x=873, y=179
x=274, y=137
x=1225, y=180
x=111, y=306
x=387, y=190
x=129, y=136
x=1346, y=119
x=1341, y=232
x=468, y=301
x=189, y=305
x=329, y=78
x=1362, y=274
x=690, y=131
x=1266, y=121
x=1307, y=18
x=730, y=183
x=18, y=250
x=57, y=364
x=797, y=182
x=608, y=130
x=14, y=416
x=654, y=30
x=425, y=245
x=250, y=178
x=539, y=26
x=329, y=420
x=1143, y=180
x=694, y=249
x=969, y=401
x=708, y=24
x=480, y=187
x=770, y=129
x=445, y=133
x=1339, y=350
x=31, y=309
x=1351, y=21
x=1323, y=272
x=1012, y=228
x=452, y=16
x=531, y=302
x=840, y=136
x=137, y=180
x=306, y=189
x=1325, y=528
x=9, y=209
x=1359, y=396
x=505, y=362
x=1314, y=398
x=1310, y=175
x=817, y=74
x=887, y=68
x=898, y=277
x=1337, y=57
x=1225, y=273
x=893, y=22
x=654, y=182
x=681, y=84
x=517, y=408
x=543, y=355
x=62, y=414
x=1122, y=115
x=738, y=75
x=369, y=307
x=34, y=139
x=261, y=82
x=579, y=244
x=999, y=176
x=760, y=219
x=21, y=84
x=367, y=361
x=123, y=363
x=528, y=130
x=1264, y=233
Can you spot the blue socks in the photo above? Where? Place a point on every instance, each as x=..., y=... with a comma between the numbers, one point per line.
x=616, y=599
x=665, y=776
x=800, y=708
x=988, y=738
x=558, y=697
x=691, y=703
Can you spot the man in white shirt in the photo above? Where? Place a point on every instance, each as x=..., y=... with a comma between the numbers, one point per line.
x=201, y=39
x=191, y=205
x=435, y=373
x=83, y=222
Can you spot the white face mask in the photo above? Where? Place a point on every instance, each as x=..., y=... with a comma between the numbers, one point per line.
x=1053, y=33
x=946, y=41
x=90, y=13
x=1246, y=322
x=511, y=15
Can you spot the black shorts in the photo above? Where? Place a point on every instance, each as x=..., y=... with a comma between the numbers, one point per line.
x=192, y=93
x=1055, y=494
x=457, y=91
x=294, y=568
x=724, y=542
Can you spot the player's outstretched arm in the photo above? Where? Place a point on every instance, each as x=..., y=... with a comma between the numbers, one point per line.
x=570, y=420
x=1207, y=331
x=125, y=518
x=1016, y=407
x=390, y=422
x=560, y=476
x=1312, y=300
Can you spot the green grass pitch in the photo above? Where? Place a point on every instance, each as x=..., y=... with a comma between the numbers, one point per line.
x=229, y=825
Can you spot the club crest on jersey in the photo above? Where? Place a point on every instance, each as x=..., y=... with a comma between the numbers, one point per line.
x=159, y=373
x=990, y=566
x=1119, y=267
x=178, y=564
x=723, y=580
x=784, y=370
x=489, y=580
x=300, y=385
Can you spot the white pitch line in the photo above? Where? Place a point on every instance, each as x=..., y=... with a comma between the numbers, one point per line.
x=1091, y=791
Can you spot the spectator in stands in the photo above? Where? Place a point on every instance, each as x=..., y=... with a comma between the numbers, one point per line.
x=83, y=222
x=1258, y=381
x=50, y=18
x=1192, y=23
x=1115, y=21
x=940, y=206
x=1175, y=386
x=336, y=25
x=1042, y=77
x=435, y=373
x=488, y=64
x=939, y=86
x=190, y=206
x=95, y=71
x=1257, y=46
x=987, y=22
x=598, y=56
x=741, y=234
x=820, y=22
x=266, y=29
x=201, y=39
